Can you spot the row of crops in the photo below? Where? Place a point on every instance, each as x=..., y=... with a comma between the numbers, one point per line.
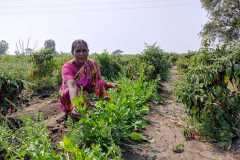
x=101, y=130
x=97, y=135
x=210, y=90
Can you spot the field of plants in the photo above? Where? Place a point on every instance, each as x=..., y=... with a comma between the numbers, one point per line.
x=208, y=87
x=102, y=129
x=158, y=95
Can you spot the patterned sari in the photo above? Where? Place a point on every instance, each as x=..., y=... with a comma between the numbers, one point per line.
x=88, y=77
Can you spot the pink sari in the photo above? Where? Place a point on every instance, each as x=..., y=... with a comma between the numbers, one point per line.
x=88, y=77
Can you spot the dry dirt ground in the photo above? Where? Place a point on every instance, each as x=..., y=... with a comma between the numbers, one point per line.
x=52, y=116
x=164, y=132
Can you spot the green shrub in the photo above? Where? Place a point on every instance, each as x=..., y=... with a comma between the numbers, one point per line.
x=31, y=141
x=156, y=62
x=10, y=88
x=210, y=91
x=184, y=61
x=43, y=63
x=131, y=66
x=42, y=72
x=172, y=58
x=109, y=65
x=15, y=66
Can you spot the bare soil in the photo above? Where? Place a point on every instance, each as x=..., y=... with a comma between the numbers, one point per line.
x=51, y=114
x=166, y=131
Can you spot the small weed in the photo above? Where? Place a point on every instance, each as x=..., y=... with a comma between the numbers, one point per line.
x=179, y=148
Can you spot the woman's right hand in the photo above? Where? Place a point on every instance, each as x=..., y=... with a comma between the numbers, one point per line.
x=75, y=114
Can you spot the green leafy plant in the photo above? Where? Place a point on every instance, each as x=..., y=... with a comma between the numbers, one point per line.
x=109, y=65
x=210, y=91
x=42, y=73
x=31, y=141
x=157, y=59
x=179, y=148
x=10, y=88
x=120, y=118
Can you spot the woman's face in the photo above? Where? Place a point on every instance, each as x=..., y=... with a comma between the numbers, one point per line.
x=81, y=53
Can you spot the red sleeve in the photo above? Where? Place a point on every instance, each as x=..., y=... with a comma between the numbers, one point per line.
x=67, y=72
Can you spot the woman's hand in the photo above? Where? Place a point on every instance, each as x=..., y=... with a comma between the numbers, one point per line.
x=75, y=114
x=111, y=85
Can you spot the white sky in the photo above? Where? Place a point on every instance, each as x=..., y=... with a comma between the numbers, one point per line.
x=104, y=24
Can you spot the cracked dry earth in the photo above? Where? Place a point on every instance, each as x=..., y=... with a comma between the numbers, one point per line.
x=166, y=131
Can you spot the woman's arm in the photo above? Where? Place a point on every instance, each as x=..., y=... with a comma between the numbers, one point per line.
x=68, y=76
x=72, y=86
x=73, y=93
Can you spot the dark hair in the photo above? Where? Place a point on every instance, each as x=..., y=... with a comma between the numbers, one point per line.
x=77, y=43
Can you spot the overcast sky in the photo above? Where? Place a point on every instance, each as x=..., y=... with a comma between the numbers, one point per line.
x=104, y=24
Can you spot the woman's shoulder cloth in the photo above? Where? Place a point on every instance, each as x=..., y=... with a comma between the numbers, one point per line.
x=92, y=61
x=69, y=63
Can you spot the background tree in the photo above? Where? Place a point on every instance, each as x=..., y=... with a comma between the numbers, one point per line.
x=224, y=21
x=3, y=47
x=50, y=44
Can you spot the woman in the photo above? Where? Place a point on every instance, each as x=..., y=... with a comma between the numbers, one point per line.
x=80, y=73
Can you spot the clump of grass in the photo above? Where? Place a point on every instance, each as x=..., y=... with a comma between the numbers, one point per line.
x=179, y=148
